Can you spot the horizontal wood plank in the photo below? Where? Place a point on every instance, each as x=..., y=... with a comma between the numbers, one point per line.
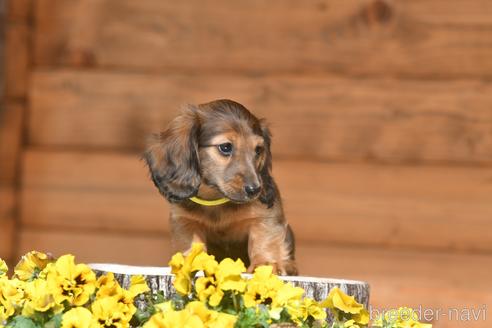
x=103, y=192
x=398, y=267
x=311, y=117
x=408, y=278
x=7, y=207
x=396, y=277
x=3, y=15
x=105, y=210
x=399, y=206
x=98, y=247
x=16, y=60
x=18, y=10
x=391, y=38
x=11, y=124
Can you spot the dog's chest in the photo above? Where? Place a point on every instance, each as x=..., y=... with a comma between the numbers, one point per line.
x=227, y=222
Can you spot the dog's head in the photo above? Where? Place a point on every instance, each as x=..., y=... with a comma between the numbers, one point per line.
x=219, y=144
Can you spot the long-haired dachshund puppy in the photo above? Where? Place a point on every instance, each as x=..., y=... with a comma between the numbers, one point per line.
x=213, y=164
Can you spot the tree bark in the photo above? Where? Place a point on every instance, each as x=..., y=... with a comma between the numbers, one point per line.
x=160, y=279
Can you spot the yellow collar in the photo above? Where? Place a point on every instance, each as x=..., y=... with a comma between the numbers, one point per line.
x=214, y=202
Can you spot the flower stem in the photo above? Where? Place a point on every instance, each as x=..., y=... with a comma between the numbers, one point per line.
x=234, y=301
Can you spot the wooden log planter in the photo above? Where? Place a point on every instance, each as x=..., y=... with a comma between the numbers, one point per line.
x=161, y=278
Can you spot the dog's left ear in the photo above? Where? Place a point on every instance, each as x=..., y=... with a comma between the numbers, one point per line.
x=269, y=189
x=172, y=158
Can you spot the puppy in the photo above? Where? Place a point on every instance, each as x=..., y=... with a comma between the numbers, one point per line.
x=213, y=164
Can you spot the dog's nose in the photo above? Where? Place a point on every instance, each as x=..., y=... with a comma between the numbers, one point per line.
x=252, y=190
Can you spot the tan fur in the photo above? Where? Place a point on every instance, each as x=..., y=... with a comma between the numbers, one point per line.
x=185, y=161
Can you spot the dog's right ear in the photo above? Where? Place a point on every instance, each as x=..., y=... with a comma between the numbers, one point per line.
x=269, y=190
x=172, y=158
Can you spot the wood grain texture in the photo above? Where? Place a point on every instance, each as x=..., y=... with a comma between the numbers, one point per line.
x=396, y=277
x=16, y=60
x=3, y=15
x=436, y=207
x=11, y=118
x=19, y=10
x=7, y=205
x=311, y=117
x=97, y=247
x=408, y=278
x=391, y=38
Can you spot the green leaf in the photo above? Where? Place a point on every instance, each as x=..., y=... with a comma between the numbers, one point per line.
x=158, y=297
x=22, y=322
x=140, y=317
x=251, y=318
x=246, y=319
x=54, y=322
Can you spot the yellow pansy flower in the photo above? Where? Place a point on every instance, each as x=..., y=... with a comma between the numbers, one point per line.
x=257, y=294
x=206, y=288
x=219, y=277
x=11, y=297
x=107, y=286
x=175, y=319
x=6, y=312
x=157, y=321
x=300, y=309
x=289, y=297
x=78, y=317
x=11, y=289
x=182, y=283
x=210, y=318
x=3, y=268
x=75, y=282
x=31, y=264
x=164, y=307
x=339, y=300
x=287, y=293
x=40, y=297
x=262, y=273
x=221, y=320
x=228, y=275
x=108, y=312
x=204, y=262
x=138, y=286
x=182, y=267
x=350, y=324
x=362, y=317
x=262, y=287
x=128, y=307
x=199, y=309
x=177, y=262
x=180, y=263
x=311, y=308
x=194, y=315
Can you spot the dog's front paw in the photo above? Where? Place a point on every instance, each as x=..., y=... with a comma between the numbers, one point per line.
x=254, y=265
x=289, y=268
x=286, y=268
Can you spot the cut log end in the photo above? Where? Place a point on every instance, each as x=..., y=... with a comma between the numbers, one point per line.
x=160, y=279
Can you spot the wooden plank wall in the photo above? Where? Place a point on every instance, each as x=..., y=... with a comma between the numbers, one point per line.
x=15, y=22
x=381, y=113
x=5, y=249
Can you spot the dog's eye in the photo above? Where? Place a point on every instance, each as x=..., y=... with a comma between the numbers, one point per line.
x=259, y=150
x=225, y=149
